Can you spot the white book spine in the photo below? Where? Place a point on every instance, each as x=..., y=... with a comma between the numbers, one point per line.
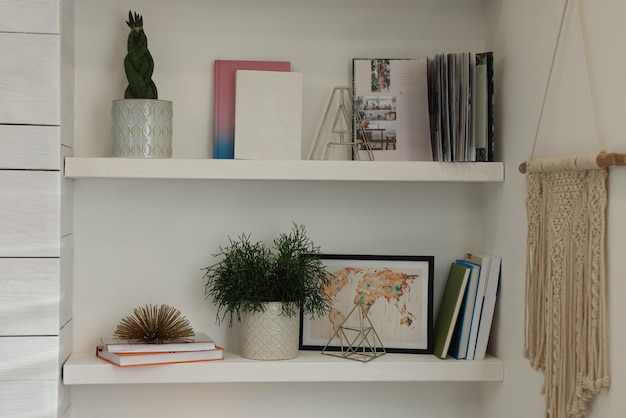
x=488, y=310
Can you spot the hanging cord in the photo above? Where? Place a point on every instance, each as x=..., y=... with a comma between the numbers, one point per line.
x=592, y=90
x=589, y=74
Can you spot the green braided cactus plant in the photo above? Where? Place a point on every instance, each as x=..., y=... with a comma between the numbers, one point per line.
x=138, y=63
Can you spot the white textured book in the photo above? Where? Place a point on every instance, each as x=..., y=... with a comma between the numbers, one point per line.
x=268, y=115
x=200, y=341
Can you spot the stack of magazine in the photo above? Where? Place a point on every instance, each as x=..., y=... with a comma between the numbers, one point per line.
x=439, y=108
x=122, y=352
x=461, y=106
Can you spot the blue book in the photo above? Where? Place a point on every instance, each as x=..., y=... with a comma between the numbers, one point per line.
x=483, y=262
x=460, y=340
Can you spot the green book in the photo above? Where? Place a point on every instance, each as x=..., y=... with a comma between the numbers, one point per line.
x=449, y=307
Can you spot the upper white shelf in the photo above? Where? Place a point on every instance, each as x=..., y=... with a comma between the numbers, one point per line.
x=310, y=366
x=282, y=170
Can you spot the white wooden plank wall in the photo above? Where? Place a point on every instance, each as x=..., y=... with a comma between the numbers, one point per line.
x=29, y=213
x=27, y=399
x=29, y=16
x=30, y=381
x=30, y=147
x=29, y=296
x=65, y=345
x=67, y=196
x=64, y=398
x=36, y=293
x=36, y=241
x=67, y=413
x=30, y=79
x=67, y=72
x=66, y=284
x=64, y=393
x=29, y=358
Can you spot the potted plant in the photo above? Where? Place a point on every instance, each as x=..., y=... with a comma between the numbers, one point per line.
x=142, y=124
x=266, y=289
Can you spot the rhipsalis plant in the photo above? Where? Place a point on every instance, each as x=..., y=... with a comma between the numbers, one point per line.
x=249, y=274
x=138, y=62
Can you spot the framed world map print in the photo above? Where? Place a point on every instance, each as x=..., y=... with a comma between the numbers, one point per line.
x=394, y=292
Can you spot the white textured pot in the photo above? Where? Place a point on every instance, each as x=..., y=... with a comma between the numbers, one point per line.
x=142, y=128
x=270, y=335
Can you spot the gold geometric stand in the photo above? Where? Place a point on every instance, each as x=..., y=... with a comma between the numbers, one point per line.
x=358, y=342
x=341, y=127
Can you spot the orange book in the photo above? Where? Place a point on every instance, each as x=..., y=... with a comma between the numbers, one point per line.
x=165, y=357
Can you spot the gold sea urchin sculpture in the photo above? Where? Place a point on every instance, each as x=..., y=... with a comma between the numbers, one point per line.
x=155, y=324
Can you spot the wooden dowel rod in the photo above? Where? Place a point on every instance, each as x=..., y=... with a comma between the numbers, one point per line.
x=608, y=160
x=522, y=168
x=603, y=160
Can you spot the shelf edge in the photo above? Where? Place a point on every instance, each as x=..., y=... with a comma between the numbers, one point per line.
x=314, y=170
x=86, y=369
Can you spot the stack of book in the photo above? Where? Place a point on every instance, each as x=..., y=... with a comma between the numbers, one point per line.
x=121, y=352
x=467, y=306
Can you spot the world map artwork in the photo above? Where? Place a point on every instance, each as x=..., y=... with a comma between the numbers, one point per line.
x=390, y=297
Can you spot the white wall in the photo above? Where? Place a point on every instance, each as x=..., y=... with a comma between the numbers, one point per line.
x=141, y=242
x=319, y=38
x=523, y=38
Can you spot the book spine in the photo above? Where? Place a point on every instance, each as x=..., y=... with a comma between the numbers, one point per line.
x=483, y=264
x=486, y=319
x=490, y=109
x=468, y=309
x=481, y=107
x=223, y=145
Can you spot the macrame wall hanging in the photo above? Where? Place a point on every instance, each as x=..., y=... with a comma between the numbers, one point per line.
x=565, y=317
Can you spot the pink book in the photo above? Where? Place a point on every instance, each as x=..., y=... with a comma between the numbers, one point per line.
x=224, y=107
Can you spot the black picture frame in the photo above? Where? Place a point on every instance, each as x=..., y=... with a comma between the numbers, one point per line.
x=399, y=301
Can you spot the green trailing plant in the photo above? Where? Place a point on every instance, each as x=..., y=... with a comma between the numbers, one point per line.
x=138, y=63
x=250, y=274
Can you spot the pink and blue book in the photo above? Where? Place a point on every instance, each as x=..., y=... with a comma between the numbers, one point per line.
x=224, y=110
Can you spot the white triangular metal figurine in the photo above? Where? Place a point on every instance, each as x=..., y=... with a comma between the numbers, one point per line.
x=341, y=128
x=358, y=342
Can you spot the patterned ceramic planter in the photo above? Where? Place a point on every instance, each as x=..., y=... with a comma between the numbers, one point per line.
x=142, y=128
x=270, y=335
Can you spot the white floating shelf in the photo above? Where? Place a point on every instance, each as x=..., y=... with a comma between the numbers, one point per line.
x=310, y=366
x=211, y=169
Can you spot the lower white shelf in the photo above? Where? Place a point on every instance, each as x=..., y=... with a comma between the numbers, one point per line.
x=310, y=366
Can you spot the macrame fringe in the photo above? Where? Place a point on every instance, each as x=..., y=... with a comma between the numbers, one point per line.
x=565, y=319
x=565, y=324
